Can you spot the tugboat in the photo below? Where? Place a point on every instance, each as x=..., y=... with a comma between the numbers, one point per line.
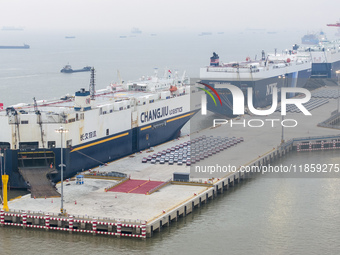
x=68, y=69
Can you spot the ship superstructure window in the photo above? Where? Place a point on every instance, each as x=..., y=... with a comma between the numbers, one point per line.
x=77, y=116
x=28, y=145
x=51, y=144
x=69, y=143
x=107, y=132
x=82, y=116
x=24, y=122
x=4, y=145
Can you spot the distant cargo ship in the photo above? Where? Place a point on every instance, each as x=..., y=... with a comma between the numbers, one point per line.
x=12, y=28
x=68, y=69
x=313, y=38
x=136, y=30
x=205, y=33
x=25, y=46
x=325, y=58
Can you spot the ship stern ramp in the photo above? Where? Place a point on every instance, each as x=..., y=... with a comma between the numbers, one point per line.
x=39, y=185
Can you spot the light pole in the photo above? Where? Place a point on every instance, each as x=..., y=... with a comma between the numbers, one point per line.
x=283, y=77
x=61, y=130
x=338, y=74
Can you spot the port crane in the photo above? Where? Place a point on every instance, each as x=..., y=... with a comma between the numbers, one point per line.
x=334, y=25
x=337, y=24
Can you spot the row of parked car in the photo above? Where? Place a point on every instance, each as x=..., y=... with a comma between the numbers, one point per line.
x=192, y=151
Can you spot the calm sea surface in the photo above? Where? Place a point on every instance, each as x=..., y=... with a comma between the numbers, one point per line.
x=260, y=216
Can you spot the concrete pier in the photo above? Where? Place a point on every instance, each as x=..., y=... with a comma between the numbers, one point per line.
x=90, y=208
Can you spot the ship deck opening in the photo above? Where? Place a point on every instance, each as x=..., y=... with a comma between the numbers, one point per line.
x=36, y=159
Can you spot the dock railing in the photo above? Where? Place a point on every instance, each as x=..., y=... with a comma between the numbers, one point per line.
x=70, y=223
x=159, y=187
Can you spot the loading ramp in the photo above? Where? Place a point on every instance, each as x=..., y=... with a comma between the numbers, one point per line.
x=40, y=185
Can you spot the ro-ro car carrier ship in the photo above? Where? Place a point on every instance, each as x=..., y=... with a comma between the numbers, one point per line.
x=289, y=69
x=103, y=126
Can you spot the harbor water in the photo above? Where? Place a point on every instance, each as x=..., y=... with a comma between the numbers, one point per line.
x=268, y=214
x=262, y=215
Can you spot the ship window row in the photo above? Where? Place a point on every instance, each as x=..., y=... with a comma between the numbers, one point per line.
x=4, y=145
x=81, y=117
x=236, y=70
x=276, y=67
x=34, y=145
x=28, y=145
x=103, y=112
x=51, y=144
x=69, y=143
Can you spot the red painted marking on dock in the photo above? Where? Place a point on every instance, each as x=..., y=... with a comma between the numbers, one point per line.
x=136, y=186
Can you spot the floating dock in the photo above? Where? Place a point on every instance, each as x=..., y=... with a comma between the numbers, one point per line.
x=147, y=199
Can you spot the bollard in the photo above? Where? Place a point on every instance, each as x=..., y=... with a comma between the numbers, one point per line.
x=24, y=220
x=119, y=228
x=2, y=217
x=47, y=221
x=70, y=224
x=144, y=230
x=94, y=226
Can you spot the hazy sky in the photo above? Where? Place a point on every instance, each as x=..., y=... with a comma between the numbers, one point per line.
x=169, y=15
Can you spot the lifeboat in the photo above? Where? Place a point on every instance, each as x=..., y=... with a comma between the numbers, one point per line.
x=173, y=88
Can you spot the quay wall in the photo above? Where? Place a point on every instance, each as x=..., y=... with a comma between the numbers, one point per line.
x=143, y=229
x=222, y=184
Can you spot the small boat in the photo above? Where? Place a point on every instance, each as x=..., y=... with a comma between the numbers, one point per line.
x=68, y=69
x=12, y=28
